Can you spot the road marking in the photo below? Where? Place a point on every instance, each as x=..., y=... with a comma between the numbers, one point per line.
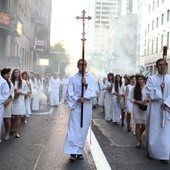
x=38, y=158
x=44, y=113
x=97, y=153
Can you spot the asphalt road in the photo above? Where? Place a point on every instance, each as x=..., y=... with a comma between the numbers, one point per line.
x=118, y=146
x=40, y=146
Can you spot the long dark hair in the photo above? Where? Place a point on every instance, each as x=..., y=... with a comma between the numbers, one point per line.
x=19, y=80
x=5, y=71
x=118, y=83
x=137, y=88
x=110, y=74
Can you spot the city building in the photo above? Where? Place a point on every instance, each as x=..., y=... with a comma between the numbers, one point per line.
x=24, y=33
x=155, y=30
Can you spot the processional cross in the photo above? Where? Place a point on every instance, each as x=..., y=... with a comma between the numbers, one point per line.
x=83, y=17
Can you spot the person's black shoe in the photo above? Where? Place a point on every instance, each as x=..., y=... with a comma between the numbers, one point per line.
x=138, y=146
x=80, y=156
x=72, y=157
x=164, y=161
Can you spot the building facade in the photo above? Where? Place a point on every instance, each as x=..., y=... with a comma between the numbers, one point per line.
x=24, y=33
x=155, y=30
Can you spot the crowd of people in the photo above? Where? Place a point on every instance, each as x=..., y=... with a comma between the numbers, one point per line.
x=22, y=93
x=143, y=102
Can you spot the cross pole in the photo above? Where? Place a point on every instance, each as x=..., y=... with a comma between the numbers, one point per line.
x=83, y=17
x=163, y=113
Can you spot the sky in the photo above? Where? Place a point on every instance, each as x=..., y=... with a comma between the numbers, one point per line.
x=63, y=23
x=65, y=26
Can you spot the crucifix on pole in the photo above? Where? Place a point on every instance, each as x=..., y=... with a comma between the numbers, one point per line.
x=83, y=17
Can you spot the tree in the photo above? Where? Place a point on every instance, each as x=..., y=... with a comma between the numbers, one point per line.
x=57, y=55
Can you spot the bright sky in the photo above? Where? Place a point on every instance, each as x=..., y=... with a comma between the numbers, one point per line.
x=63, y=24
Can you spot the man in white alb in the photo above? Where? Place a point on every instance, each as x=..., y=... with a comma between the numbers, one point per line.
x=158, y=134
x=76, y=135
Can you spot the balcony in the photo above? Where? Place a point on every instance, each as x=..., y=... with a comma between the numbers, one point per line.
x=10, y=24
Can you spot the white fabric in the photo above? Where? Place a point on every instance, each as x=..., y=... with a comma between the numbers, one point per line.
x=139, y=116
x=19, y=103
x=128, y=103
x=102, y=94
x=116, y=106
x=122, y=92
x=158, y=137
x=4, y=94
x=64, y=87
x=28, y=100
x=108, y=102
x=8, y=109
x=76, y=136
x=54, y=87
x=36, y=92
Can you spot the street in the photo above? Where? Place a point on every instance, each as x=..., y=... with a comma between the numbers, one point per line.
x=40, y=146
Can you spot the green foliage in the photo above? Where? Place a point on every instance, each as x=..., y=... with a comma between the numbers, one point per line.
x=57, y=55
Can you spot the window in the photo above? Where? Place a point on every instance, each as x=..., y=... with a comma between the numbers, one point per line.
x=152, y=25
x=149, y=9
x=152, y=45
x=148, y=28
x=157, y=3
x=157, y=22
x=162, y=19
x=148, y=49
x=162, y=39
x=153, y=7
x=167, y=40
x=168, y=15
x=156, y=44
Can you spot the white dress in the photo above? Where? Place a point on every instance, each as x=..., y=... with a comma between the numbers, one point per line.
x=28, y=101
x=139, y=116
x=128, y=104
x=108, y=102
x=158, y=137
x=116, y=106
x=19, y=103
x=76, y=135
x=102, y=94
x=8, y=109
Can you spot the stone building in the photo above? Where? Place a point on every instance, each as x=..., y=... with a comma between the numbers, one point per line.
x=24, y=33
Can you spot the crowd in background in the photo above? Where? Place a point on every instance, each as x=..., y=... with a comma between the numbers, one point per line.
x=22, y=93
x=142, y=102
x=118, y=96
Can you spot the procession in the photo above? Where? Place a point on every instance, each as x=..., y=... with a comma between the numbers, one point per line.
x=88, y=91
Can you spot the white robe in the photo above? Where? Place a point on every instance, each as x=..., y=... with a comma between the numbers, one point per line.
x=64, y=87
x=158, y=137
x=76, y=136
x=4, y=94
x=54, y=87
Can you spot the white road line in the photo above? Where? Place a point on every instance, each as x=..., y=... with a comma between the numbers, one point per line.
x=45, y=113
x=97, y=153
x=36, y=163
